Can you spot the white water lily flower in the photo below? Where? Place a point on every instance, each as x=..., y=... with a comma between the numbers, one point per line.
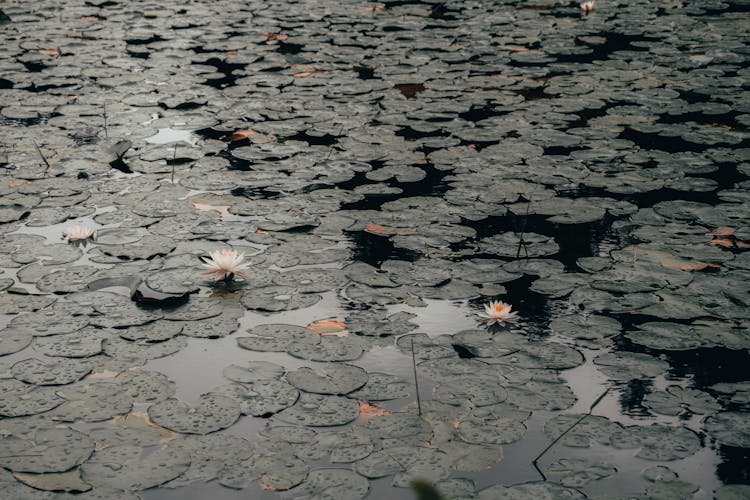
x=588, y=7
x=78, y=233
x=225, y=264
x=498, y=312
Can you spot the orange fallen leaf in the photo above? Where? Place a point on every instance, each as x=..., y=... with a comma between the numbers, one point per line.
x=205, y=207
x=232, y=53
x=325, y=327
x=240, y=135
x=387, y=231
x=305, y=74
x=515, y=48
x=49, y=52
x=273, y=37
x=721, y=231
x=368, y=411
x=729, y=243
x=17, y=182
x=699, y=266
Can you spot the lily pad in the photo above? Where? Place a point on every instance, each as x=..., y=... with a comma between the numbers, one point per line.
x=253, y=371
x=273, y=337
x=58, y=372
x=92, y=402
x=328, y=348
x=132, y=468
x=328, y=379
x=730, y=428
x=208, y=414
x=19, y=399
x=319, y=410
x=146, y=386
x=339, y=484
x=260, y=398
x=47, y=450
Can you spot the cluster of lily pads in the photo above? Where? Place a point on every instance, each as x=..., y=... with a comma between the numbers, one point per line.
x=572, y=177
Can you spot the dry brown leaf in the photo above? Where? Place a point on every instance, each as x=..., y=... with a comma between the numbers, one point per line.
x=205, y=207
x=729, y=243
x=240, y=135
x=274, y=37
x=140, y=420
x=368, y=411
x=387, y=231
x=232, y=53
x=49, y=52
x=721, y=231
x=328, y=327
x=305, y=74
x=410, y=90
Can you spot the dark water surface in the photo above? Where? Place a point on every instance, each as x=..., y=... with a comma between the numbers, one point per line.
x=393, y=167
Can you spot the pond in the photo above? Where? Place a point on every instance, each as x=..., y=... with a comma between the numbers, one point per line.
x=325, y=249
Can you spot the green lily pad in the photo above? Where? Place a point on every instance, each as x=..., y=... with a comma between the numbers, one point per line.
x=81, y=344
x=676, y=400
x=587, y=330
x=92, y=402
x=328, y=348
x=15, y=339
x=276, y=472
x=208, y=414
x=406, y=463
x=57, y=372
x=46, y=450
x=328, y=379
x=592, y=428
x=319, y=410
x=339, y=484
x=730, y=427
x=577, y=473
x=624, y=365
x=260, y=398
x=146, y=386
x=132, y=468
x=253, y=371
x=382, y=387
x=273, y=337
x=156, y=331
x=657, y=442
x=530, y=491
x=19, y=399
x=277, y=298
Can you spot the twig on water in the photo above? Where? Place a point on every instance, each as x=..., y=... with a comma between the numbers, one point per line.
x=330, y=150
x=41, y=154
x=106, y=132
x=174, y=161
x=416, y=380
x=553, y=443
x=521, y=242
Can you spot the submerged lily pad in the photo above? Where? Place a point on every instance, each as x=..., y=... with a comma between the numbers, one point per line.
x=730, y=427
x=253, y=371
